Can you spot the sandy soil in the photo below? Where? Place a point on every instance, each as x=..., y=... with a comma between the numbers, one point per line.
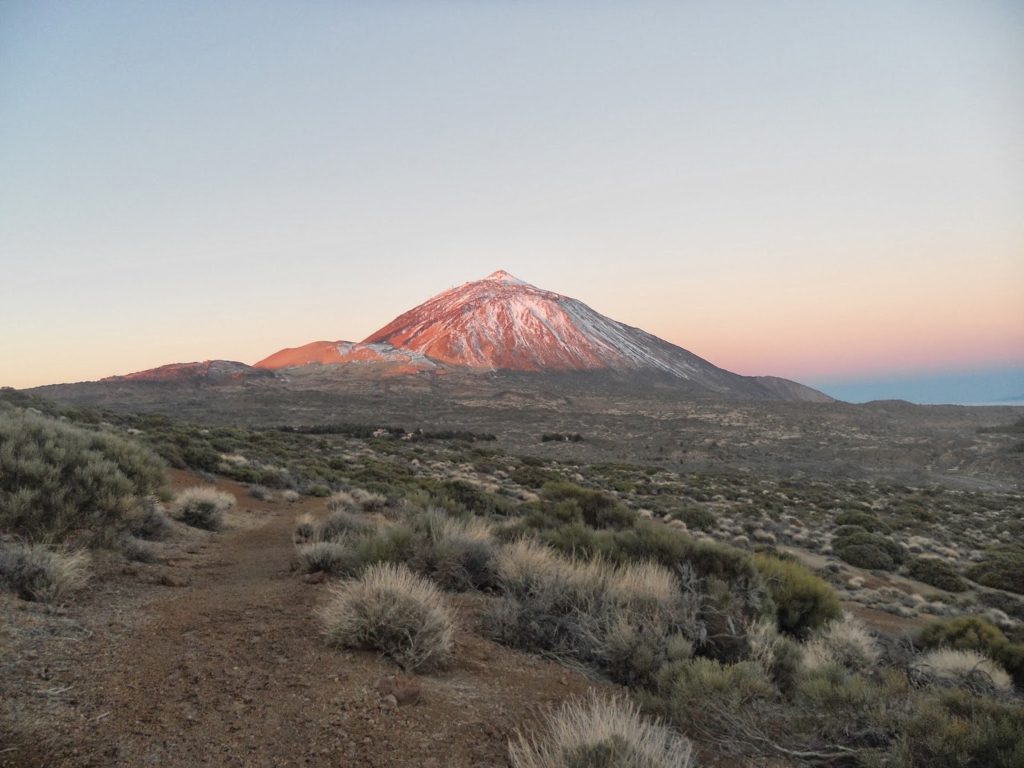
x=214, y=658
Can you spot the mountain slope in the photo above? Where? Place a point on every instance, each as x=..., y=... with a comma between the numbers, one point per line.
x=336, y=352
x=208, y=370
x=503, y=323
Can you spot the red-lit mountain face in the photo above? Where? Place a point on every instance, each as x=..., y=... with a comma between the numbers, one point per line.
x=503, y=323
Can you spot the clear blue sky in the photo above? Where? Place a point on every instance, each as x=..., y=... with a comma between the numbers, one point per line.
x=827, y=191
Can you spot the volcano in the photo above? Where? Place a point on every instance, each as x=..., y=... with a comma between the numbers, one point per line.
x=502, y=323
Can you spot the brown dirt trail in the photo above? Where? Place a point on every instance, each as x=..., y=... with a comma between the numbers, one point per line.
x=231, y=671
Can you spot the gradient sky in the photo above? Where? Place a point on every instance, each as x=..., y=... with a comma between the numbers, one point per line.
x=832, y=192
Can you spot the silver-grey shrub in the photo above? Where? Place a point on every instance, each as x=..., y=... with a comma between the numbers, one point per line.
x=392, y=610
x=59, y=480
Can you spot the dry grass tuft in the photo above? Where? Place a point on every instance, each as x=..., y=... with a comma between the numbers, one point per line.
x=305, y=529
x=44, y=575
x=202, y=507
x=626, y=620
x=846, y=642
x=949, y=668
x=394, y=611
x=601, y=733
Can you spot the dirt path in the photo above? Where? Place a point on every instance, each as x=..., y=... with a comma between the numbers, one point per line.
x=231, y=671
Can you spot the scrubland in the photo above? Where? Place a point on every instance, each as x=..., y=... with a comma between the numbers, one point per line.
x=712, y=618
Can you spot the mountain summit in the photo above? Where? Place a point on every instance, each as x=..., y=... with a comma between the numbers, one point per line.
x=504, y=323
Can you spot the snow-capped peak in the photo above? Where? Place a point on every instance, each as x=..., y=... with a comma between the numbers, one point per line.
x=501, y=276
x=504, y=323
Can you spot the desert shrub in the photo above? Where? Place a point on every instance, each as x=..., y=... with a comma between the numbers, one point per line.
x=290, y=496
x=202, y=507
x=974, y=633
x=625, y=620
x=357, y=548
x=958, y=730
x=394, y=611
x=937, y=573
x=868, y=550
x=319, y=490
x=779, y=656
x=138, y=550
x=700, y=695
x=391, y=544
x=600, y=733
x=305, y=529
x=532, y=477
x=150, y=522
x=1000, y=569
x=597, y=509
x=35, y=572
x=339, y=525
x=696, y=518
x=457, y=554
x=261, y=492
x=865, y=520
x=642, y=621
x=847, y=530
x=837, y=705
x=543, y=595
x=57, y=479
x=460, y=496
x=671, y=548
x=728, y=586
x=327, y=556
x=803, y=602
x=969, y=670
x=368, y=501
x=845, y=642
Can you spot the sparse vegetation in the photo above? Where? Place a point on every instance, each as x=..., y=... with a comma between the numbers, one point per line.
x=36, y=572
x=868, y=550
x=600, y=733
x=844, y=642
x=391, y=610
x=679, y=586
x=974, y=633
x=803, y=602
x=1001, y=569
x=202, y=507
x=626, y=620
x=970, y=670
x=59, y=481
x=937, y=573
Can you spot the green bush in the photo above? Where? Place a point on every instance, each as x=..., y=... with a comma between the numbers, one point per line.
x=57, y=479
x=803, y=601
x=847, y=530
x=1000, y=569
x=458, y=495
x=937, y=573
x=868, y=550
x=958, y=730
x=696, y=518
x=597, y=509
x=531, y=476
x=865, y=520
x=701, y=695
